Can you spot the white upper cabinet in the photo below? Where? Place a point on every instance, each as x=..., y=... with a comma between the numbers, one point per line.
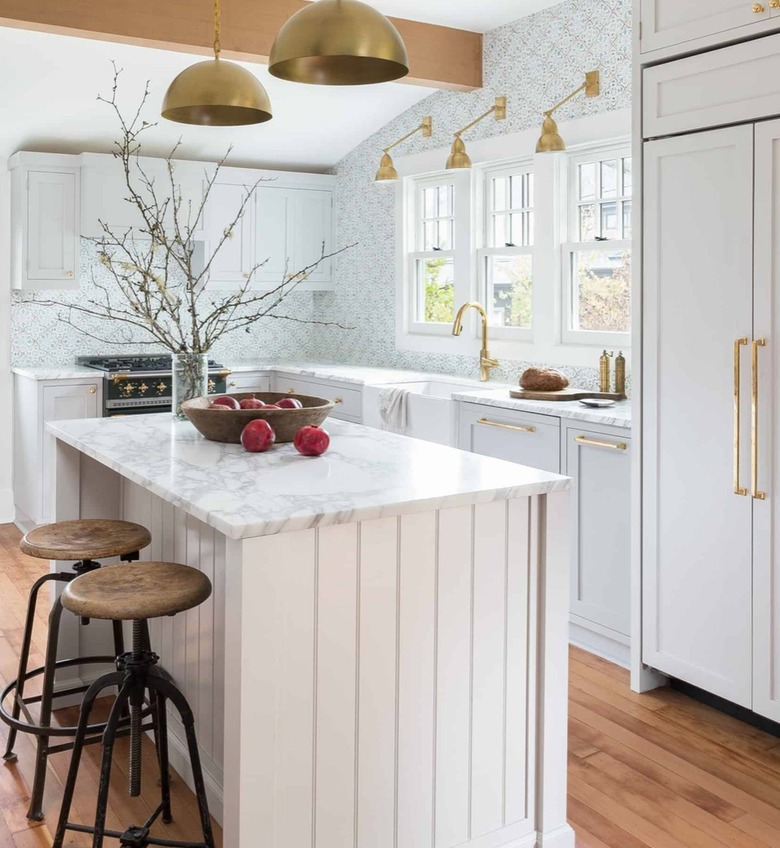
x=677, y=23
x=313, y=233
x=44, y=222
x=232, y=265
x=274, y=224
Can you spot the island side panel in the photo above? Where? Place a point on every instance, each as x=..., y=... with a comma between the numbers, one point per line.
x=384, y=694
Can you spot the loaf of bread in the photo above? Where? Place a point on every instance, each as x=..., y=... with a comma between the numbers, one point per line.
x=543, y=380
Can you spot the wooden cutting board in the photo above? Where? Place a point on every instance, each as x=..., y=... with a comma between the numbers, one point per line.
x=564, y=395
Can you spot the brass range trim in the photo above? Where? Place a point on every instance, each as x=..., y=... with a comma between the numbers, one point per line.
x=486, y=422
x=595, y=443
x=756, y=493
x=739, y=489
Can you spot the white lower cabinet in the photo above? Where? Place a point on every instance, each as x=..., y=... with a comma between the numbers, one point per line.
x=249, y=381
x=347, y=397
x=36, y=403
x=599, y=463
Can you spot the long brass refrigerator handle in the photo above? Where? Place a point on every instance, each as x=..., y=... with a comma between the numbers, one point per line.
x=757, y=494
x=738, y=488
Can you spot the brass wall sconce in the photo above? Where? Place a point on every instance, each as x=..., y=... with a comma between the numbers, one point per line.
x=387, y=172
x=550, y=140
x=216, y=93
x=458, y=157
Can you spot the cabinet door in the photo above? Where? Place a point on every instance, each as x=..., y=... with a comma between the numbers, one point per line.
x=698, y=268
x=349, y=401
x=62, y=403
x=52, y=227
x=600, y=465
x=273, y=234
x=525, y=438
x=234, y=260
x=313, y=233
x=766, y=511
x=668, y=22
x=243, y=382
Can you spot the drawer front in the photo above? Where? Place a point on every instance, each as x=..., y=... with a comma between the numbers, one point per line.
x=246, y=382
x=349, y=401
x=727, y=86
x=525, y=438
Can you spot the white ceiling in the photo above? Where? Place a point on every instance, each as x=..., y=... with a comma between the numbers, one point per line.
x=475, y=15
x=49, y=85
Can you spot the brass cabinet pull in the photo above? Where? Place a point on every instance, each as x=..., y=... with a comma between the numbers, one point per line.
x=519, y=429
x=290, y=391
x=759, y=8
x=594, y=443
x=758, y=495
x=338, y=400
x=232, y=384
x=738, y=488
x=92, y=390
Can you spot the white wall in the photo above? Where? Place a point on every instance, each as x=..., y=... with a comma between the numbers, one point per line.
x=6, y=491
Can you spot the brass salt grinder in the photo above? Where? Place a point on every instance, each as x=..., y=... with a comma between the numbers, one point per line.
x=604, y=369
x=620, y=374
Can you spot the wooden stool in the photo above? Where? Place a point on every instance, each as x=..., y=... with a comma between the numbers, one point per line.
x=83, y=541
x=147, y=590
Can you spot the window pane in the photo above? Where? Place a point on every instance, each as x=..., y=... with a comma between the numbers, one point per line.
x=435, y=290
x=529, y=181
x=609, y=178
x=445, y=201
x=500, y=235
x=627, y=219
x=429, y=202
x=588, y=181
x=520, y=198
x=499, y=194
x=445, y=235
x=509, y=290
x=601, y=291
x=587, y=223
x=520, y=234
x=627, y=177
x=430, y=236
x=609, y=221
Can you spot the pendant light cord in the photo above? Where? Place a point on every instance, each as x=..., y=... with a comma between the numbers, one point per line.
x=217, y=30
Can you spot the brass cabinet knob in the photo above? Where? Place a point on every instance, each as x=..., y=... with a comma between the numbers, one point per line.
x=290, y=391
x=759, y=8
x=774, y=4
x=232, y=384
x=92, y=390
x=247, y=276
x=338, y=400
x=69, y=273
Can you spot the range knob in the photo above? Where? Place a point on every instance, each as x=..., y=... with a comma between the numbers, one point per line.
x=161, y=387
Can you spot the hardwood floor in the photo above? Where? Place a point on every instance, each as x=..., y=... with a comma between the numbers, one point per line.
x=645, y=771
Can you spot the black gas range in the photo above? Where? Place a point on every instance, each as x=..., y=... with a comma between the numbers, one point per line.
x=135, y=385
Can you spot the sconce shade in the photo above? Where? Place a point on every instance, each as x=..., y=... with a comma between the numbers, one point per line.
x=338, y=42
x=387, y=172
x=218, y=94
x=458, y=158
x=550, y=141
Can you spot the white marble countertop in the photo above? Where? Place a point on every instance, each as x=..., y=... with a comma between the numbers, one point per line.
x=366, y=474
x=56, y=372
x=618, y=415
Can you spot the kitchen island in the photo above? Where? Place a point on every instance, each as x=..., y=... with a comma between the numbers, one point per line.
x=383, y=661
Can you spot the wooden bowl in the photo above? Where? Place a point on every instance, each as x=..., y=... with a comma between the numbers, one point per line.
x=219, y=426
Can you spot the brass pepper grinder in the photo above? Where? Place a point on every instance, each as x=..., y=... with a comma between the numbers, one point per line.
x=620, y=374
x=604, y=368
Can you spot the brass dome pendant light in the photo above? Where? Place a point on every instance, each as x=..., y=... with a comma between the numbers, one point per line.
x=338, y=42
x=216, y=93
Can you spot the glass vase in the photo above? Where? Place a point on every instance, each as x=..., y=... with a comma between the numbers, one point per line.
x=190, y=379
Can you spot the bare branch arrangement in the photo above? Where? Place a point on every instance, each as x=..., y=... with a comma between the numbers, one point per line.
x=162, y=289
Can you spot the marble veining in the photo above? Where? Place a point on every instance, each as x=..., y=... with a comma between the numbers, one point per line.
x=366, y=474
x=618, y=415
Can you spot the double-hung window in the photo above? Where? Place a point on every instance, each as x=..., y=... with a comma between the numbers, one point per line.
x=440, y=259
x=506, y=259
x=597, y=261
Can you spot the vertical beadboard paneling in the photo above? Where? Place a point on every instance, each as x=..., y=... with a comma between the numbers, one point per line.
x=453, y=677
x=218, y=694
x=168, y=513
x=516, y=713
x=337, y=629
x=177, y=662
x=205, y=641
x=376, y=739
x=416, y=681
x=191, y=619
x=489, y=658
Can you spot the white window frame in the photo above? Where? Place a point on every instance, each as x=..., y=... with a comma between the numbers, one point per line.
x=485, y=215
x=568, y=335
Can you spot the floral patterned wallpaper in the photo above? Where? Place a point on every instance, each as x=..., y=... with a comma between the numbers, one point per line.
x=535, y=62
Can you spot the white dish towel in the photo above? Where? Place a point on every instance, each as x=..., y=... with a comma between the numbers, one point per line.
x=394, y=409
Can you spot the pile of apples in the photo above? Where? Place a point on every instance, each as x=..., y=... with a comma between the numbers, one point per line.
x=258, y=435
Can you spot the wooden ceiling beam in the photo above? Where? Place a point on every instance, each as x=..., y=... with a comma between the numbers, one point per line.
x=439, y=56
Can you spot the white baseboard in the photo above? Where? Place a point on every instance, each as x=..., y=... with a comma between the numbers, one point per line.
x=6, y=506
x=600, y=644
x=561, y=837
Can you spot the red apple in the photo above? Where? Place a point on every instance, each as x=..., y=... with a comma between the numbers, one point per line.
x=258, y=436
x=228, y=401
x=289, y=403
x=311, y=441
x=220, y=406
x=251, y=403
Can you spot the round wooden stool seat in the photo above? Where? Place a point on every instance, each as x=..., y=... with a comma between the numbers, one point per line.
x=85, y=539
x=136, y=592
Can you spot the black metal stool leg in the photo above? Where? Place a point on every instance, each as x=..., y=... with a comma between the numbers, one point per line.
x=24, y=659
x=161, y=743
x=113, y=679
x=35, y=811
